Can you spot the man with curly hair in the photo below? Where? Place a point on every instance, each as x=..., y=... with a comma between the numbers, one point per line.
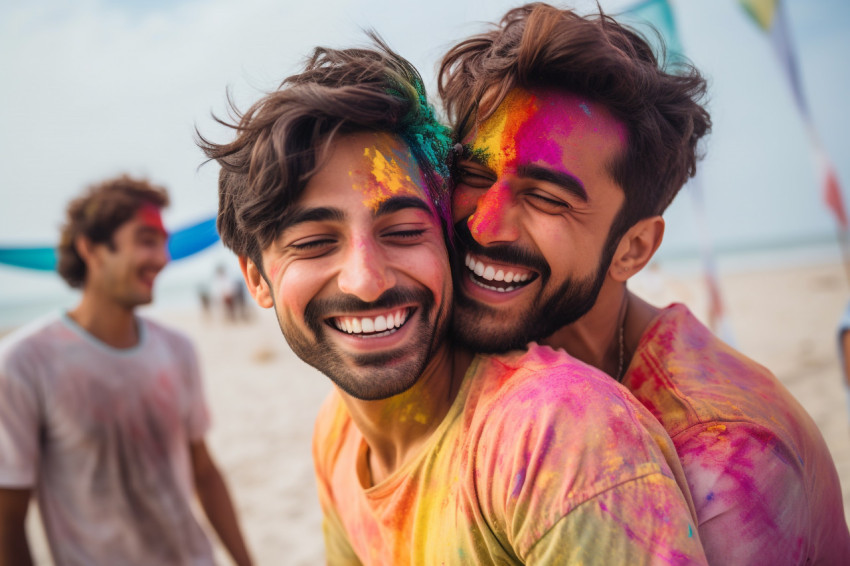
x=102, y=413
x=573, y=140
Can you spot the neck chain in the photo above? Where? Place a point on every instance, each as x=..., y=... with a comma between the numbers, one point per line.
x=621, y=338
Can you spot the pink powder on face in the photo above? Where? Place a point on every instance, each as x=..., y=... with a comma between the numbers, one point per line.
x=540, y=128
x=489, y=210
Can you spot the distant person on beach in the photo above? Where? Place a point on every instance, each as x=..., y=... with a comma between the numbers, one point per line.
x=572, y=141
x=334, y=197
x=102, y=412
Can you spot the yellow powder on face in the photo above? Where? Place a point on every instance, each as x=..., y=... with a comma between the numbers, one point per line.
x=386, y=172
x=495, y=140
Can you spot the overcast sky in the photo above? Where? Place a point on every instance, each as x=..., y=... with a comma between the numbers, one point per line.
x=96, y=87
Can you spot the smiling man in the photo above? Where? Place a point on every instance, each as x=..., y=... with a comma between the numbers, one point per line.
x=572, y=142
x=102, y=414
x=333, y=195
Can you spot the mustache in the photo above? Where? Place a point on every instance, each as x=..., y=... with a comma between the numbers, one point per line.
x=316, y=310
x=464, y=242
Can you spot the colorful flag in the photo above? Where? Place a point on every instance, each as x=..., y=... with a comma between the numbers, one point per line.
x=771, y=17
x=659, y=13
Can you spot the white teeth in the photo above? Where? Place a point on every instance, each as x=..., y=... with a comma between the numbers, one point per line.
x=490, y=273
x=493, y=288
x=369, y=325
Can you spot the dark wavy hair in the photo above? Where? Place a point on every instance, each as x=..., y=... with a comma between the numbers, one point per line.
x=283, y=139
x=97, y=214
x=540, y=46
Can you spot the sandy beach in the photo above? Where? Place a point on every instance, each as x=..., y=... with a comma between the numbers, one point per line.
x=264, y=400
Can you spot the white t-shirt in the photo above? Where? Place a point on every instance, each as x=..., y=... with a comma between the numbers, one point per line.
x=102, y=436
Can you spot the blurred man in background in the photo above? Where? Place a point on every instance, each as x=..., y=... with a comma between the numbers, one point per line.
x=102, y=412
x=573, y=141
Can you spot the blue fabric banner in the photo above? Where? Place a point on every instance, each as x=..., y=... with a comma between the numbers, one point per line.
x=182, y=243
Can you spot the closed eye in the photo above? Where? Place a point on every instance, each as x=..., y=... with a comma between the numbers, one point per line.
x=312, y=245
x=547, y=204
x=473, y=178
x=405, y=236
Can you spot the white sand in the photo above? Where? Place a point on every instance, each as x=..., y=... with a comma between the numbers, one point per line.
x=264, y=399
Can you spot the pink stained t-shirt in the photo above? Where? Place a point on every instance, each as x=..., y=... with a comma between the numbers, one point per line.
x=763, y=482
x=541, y=459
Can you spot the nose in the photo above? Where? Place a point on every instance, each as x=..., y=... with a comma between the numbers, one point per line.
x=493, y=222
x=365, y=272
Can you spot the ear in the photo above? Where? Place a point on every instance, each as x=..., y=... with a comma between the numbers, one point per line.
x=85, y=248
x=257, y=284
x=636, y=248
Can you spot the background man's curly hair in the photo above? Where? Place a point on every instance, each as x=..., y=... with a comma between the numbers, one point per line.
x=97, y=214
x=539, y=46
x=282, y=140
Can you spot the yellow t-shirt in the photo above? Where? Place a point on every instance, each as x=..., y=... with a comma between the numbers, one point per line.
x=540, y=460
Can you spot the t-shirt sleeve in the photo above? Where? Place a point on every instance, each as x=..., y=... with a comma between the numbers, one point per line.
x=20, y=426
x=338, y=549
x=749, y=492
x=639, y=522
x=570, y=473
x=197, y=413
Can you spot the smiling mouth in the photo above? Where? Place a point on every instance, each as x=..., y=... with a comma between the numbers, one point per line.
x=372, y=326
x=497, y=278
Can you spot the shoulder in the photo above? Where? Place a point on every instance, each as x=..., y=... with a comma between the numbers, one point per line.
x=158, y=329
x=543, y=377
x=685, y=375
x=33, y=341
x=159, y=333
x=331, y=426
x=548, y=396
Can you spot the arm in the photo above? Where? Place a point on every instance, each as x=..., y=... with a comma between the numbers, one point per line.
x=215, y=499
x=749, y=491
x=643, y=521
x=14, y=548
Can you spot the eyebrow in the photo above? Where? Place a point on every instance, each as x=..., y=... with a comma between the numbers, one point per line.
x=396, y=203
x=318, y=214
x=145, y=230
x=564, y=180
x=326, y=213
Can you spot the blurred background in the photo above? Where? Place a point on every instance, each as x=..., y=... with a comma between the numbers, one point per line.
x=98, y=87
x=94, y=88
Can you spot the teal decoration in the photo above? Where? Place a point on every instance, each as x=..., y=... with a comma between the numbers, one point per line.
x=659, y=14
x=181, y=244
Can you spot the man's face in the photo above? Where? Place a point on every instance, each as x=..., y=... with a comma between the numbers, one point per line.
x=533, y=205
x=125, y=269
x=359, y=275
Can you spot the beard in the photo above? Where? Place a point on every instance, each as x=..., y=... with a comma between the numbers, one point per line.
x=487, y=329
x=368, y=376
